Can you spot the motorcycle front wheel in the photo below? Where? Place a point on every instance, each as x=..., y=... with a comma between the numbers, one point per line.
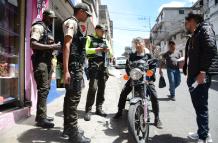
x=138, y=128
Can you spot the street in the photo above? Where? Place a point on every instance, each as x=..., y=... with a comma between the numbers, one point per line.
x=178, y=118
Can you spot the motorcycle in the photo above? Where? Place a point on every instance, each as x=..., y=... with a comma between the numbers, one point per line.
x=138, y=114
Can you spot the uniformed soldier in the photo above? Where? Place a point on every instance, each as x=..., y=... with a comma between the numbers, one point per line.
x=41, y=60
x=98, y=51
x=73, y=59
x=141, y=53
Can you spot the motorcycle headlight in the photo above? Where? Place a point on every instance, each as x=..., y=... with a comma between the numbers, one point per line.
x=136, y=74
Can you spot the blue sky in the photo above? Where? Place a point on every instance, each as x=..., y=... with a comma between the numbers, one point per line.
x=131, y=18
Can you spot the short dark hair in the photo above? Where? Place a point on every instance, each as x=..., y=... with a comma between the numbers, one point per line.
x=76, y=10
x=198, y=18
x=171, y=42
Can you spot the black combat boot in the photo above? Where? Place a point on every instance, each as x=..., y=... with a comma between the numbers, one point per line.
x=50, y=119
x=87, y=116
x=76, y=137
x=118, y=115
x=44, y=123
x=100, y=112
x=66, y=133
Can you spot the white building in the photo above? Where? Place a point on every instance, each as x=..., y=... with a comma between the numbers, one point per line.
x=210, y=10
x=170, y=26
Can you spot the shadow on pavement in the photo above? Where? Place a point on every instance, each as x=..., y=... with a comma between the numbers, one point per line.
x=164, y=99
x=214, y=84
x=167, y=138
x=117, y=127
x=39, y=135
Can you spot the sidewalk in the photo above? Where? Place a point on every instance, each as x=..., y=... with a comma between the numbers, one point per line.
x=178, y=119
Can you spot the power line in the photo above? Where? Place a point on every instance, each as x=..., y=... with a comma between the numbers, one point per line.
x=132, y=14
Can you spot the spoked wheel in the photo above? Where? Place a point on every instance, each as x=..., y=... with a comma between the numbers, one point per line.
x=138, y=128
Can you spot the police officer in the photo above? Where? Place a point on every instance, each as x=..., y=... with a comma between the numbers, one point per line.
x=41, y=60
x=73, y=59
x=97, y=49
x=144, y=54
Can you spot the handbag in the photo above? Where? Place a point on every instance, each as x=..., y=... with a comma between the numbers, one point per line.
x=162, y=82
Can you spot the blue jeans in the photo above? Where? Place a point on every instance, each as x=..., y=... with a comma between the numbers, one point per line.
x=174, y=80
x=199, y=98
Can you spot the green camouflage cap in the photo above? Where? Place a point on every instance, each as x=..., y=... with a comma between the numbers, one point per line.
x=101, y=26
x=49, y=13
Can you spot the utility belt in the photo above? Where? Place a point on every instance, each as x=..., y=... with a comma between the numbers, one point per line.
x=77, y=58
x=44, y=56
x=76, y=61
x=96, y=61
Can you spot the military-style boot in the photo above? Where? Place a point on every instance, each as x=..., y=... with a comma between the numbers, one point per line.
x=76, y=137
x=119, y=114
x=100, y=112
x=66, y=133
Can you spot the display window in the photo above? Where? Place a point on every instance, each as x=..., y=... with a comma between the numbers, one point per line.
x=9, y=50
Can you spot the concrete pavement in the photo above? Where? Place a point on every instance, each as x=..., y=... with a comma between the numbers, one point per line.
x=178, y=119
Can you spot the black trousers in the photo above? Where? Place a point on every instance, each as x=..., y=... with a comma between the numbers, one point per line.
x=150, y=90
x=72, y=98
x=42, y=74
x=199, y=97
x=97, y=82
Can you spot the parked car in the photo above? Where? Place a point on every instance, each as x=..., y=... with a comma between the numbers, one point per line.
x=120, y=63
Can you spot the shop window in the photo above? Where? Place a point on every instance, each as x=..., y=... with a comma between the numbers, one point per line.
x=9, y=50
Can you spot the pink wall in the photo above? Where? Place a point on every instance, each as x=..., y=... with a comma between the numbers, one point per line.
x=31, y=16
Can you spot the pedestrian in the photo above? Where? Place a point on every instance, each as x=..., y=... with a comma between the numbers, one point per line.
x=97, y=49
x=141, y=53
x=73, y=60
x=43, y=45
x=201, y=52
x=171, y=59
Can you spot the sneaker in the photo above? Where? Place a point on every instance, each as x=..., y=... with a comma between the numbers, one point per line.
x=158, y=124
x=201, y=141
x=195, y=137
x=171, y=97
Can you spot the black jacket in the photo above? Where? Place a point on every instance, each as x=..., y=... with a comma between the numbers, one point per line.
x=135, y=57
x=201, y=51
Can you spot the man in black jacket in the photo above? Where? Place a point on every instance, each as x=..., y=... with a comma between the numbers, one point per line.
x=144, y=54
x=200, y=55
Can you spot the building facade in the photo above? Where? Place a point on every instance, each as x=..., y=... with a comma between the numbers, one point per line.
x=170, y=26
x=18, y=94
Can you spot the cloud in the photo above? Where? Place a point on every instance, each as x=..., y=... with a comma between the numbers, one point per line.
x=191, y=1
x=172, y=4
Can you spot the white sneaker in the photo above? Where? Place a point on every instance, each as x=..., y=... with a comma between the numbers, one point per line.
x=209, y=138
x=195, y=137
x=201, y=141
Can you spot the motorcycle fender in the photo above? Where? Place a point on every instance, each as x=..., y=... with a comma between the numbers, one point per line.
x=135, y=100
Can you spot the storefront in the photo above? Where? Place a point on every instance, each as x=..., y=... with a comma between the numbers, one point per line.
x=18, y=93
x=10, y=54
x=12, y=29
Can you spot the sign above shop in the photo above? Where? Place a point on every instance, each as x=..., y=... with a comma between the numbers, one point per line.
x=41, y=6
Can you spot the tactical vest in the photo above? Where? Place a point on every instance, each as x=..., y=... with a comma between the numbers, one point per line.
x=95, y=43
x=77, y=50
x=43, y=40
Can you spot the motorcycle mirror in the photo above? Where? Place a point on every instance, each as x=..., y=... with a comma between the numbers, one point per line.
x=149, y=73
x=126, y=77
